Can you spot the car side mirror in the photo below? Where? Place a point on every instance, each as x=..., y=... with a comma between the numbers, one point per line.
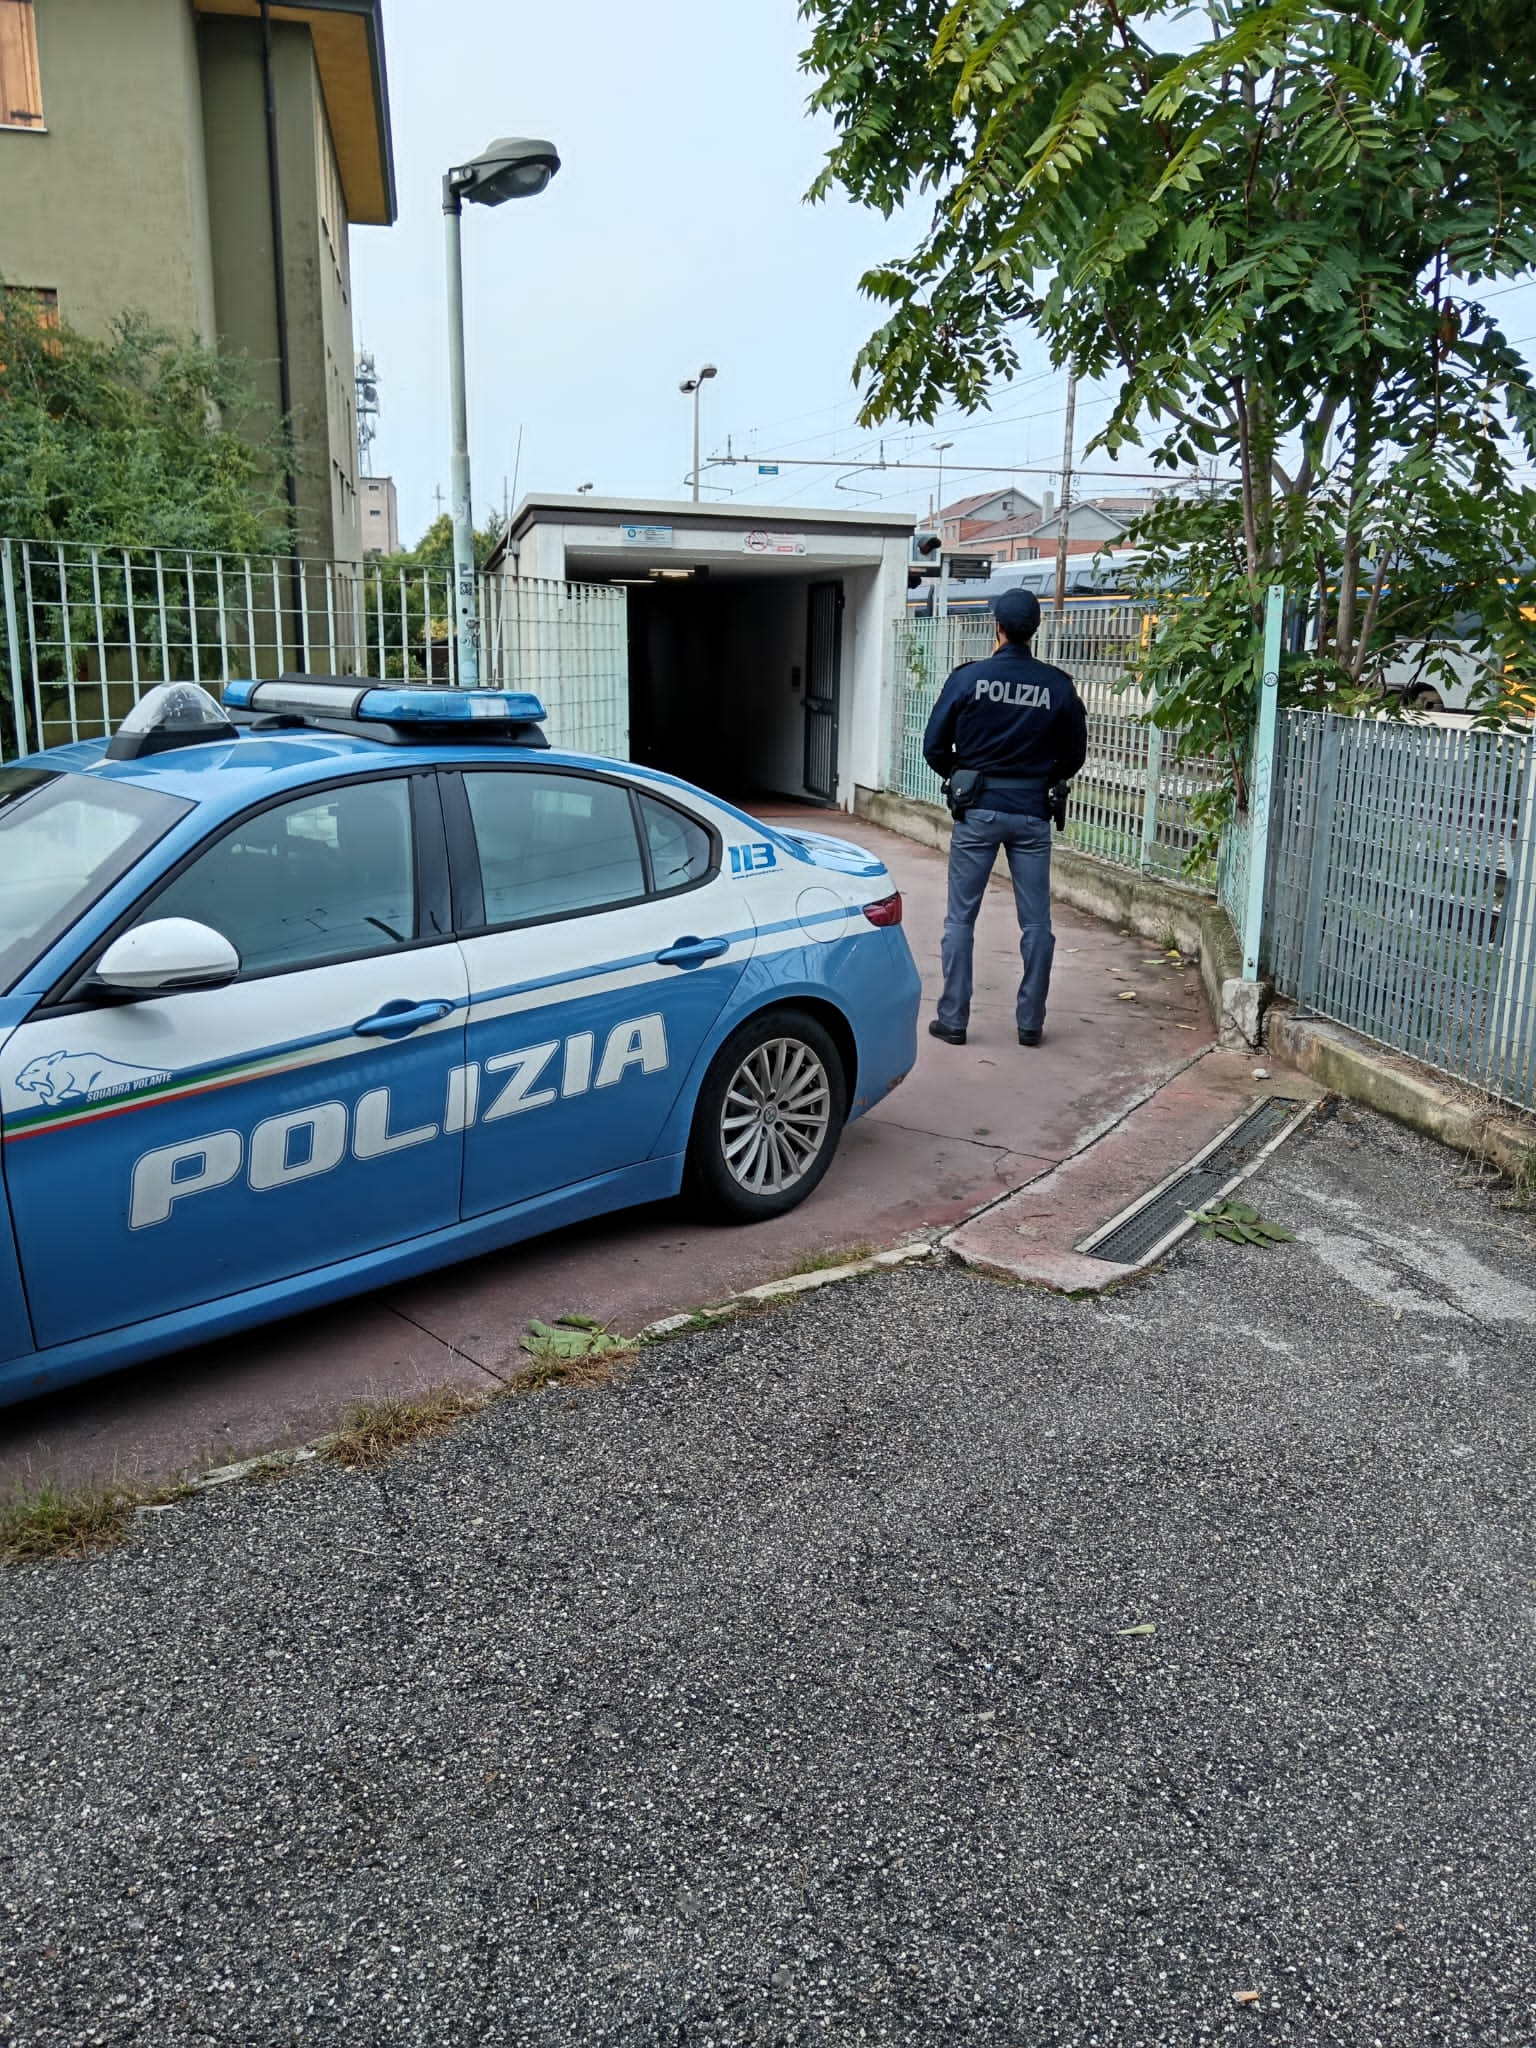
x=167, y=953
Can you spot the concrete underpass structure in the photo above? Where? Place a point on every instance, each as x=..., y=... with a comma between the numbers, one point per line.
x=758, y=638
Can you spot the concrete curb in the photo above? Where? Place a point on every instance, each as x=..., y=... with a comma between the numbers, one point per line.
x=795, y=1283
x=1143, y=904
x=1403, y=1090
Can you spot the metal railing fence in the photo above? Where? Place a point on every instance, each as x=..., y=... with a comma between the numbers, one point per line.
x=84, y=631
x=569, y=643
x=1133, y=802
x=1402, y=890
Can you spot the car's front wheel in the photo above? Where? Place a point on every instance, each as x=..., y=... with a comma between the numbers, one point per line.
x=768, y=1117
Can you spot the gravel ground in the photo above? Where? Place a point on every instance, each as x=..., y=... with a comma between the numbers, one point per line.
x=784, y=1695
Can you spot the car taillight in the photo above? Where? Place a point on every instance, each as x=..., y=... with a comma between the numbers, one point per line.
x=886, y=911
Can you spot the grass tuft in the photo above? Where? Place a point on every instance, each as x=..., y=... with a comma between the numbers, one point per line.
x=826, y=1262
x=53, y=1523
x=376, y=1432
x=556, y=1369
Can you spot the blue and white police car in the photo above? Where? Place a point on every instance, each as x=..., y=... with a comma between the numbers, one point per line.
x=342, y=980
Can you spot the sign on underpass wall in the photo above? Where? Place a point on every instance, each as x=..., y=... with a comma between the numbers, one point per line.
x=759, y=543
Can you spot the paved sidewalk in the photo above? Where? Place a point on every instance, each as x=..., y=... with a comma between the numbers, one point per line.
x=968, y=1124
x=929, y=1662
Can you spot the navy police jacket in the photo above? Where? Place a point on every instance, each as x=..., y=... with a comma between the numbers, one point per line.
x=1009, y=715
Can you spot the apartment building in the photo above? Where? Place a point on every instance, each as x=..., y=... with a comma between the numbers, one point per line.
x=380, y=514
x=204, y=162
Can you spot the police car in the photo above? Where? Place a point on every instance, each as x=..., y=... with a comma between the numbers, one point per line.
x=342, y=980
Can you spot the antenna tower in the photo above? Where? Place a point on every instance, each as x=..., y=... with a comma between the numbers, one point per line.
x=367, y=378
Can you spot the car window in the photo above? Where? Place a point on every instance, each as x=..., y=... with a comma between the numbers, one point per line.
x=64, y=840
x=552, y=844
x=320, y=879
x=679, y=846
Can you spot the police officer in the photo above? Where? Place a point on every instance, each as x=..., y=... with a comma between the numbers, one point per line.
x=1003, y=731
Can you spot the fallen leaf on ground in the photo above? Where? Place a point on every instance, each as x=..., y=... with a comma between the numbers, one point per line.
x=1126, y=995
x=1140, y=1628
x=572, y=1337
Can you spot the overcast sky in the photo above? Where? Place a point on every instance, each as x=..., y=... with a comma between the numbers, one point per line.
x=675, y=234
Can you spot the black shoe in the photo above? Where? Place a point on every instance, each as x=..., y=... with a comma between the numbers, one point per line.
x=1030, y=1037
x=938, y=1030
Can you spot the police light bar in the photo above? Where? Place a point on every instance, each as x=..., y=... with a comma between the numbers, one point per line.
x=366, y=700
x=170, y=715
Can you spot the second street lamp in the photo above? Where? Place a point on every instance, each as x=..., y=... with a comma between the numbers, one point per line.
x=696, y=385
x=516, y=167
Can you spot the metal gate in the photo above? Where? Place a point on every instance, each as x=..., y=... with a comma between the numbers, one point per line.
x=823, y=688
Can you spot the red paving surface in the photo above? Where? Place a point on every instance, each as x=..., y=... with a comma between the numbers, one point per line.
x=968, y=1124
x=1030, y=1234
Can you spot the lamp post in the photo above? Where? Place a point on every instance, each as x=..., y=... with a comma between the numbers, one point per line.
x=696, y=385
x=516, y=167
x=941, y=587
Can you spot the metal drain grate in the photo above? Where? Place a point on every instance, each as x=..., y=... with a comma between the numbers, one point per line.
x=1132, y=1238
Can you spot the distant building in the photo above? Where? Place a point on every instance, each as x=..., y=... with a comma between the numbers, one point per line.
x=135, y=166
x=1092, y=526
x=380, y=509
x=1010, y=526
x=970, y=519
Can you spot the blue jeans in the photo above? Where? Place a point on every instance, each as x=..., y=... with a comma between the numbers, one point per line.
x=972, y=855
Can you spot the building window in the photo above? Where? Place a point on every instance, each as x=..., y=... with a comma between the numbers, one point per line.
x=39, y=302
x=36, y=305
x=21, y=89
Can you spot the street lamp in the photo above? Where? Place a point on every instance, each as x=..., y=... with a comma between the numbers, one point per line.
x=695, y=385
x=516, y=167
x=941, y=585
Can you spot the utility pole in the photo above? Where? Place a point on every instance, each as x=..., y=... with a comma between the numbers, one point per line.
x=941, y=585
x=1066, y=494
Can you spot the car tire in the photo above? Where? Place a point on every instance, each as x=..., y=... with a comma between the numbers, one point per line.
x=768, y=1118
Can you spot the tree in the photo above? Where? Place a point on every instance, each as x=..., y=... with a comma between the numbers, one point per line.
x=1280, y=243
x=123, y=442
x=435, y=548
x=121, y=447
x=417, y=615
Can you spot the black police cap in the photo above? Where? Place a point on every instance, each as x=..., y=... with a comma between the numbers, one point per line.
x=1017, y=612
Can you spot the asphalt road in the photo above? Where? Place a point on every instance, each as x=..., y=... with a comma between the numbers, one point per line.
x=784, y=1695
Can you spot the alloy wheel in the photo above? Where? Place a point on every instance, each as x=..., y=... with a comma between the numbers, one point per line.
x=776, y=1116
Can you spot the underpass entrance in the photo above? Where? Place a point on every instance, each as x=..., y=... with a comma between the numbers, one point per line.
x=756, y=642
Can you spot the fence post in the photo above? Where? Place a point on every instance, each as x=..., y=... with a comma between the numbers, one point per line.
x=13, y=646
x=1149, y=808
x=1324, y=798
x=1510, y=1053
x=1261, y=788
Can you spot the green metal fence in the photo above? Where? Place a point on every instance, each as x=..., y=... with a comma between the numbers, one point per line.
x=1402, y=890
x=1133, y=802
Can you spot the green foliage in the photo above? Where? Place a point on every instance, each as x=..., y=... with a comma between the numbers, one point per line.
x=435, y=548
x=1280, y=245
x=418, y=613
x=123, y=442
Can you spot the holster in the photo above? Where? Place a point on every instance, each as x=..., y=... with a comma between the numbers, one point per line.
x=962, y=790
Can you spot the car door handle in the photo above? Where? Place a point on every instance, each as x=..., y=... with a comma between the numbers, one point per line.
x=399, y=1019
x=692, y=952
